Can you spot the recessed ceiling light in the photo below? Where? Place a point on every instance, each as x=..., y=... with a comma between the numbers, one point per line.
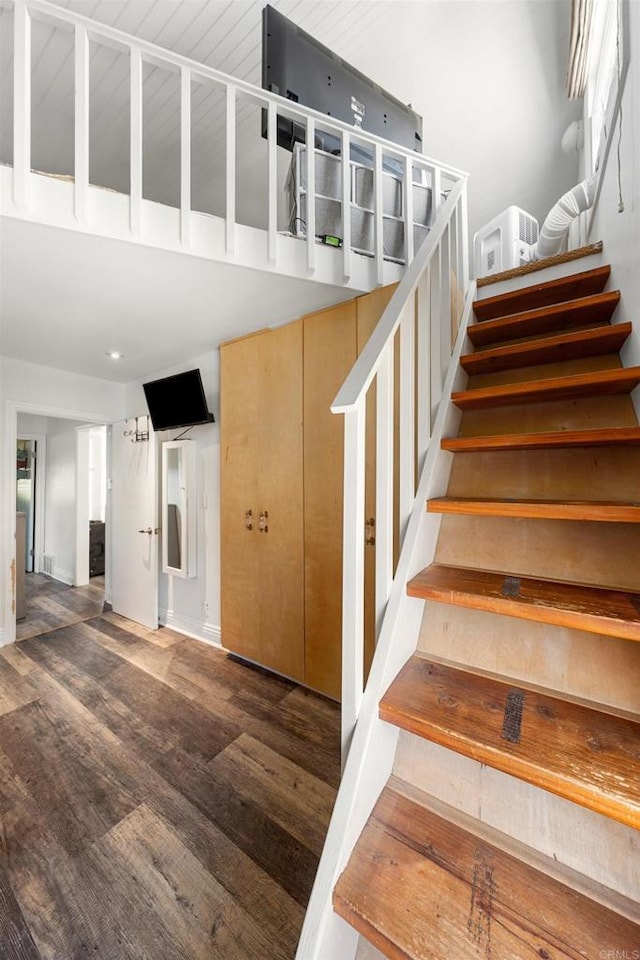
x=114, y=354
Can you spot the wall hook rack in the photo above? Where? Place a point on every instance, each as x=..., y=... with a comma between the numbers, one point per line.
x=138, y=435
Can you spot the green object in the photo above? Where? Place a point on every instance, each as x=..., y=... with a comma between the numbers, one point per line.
x=331, y=241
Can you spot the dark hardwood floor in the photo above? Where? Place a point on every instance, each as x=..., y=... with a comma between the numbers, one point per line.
x=50, y=604
x=157, y=798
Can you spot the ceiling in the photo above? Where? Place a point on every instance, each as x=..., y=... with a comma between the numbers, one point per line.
x=156, y=307
x=486, y=75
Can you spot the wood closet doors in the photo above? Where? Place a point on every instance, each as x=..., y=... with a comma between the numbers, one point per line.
x=282, y=451
x=262, y=590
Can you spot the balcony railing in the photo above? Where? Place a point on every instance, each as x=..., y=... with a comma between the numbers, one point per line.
x=234, y=95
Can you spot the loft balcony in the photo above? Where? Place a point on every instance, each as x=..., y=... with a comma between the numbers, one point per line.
x=156, y=149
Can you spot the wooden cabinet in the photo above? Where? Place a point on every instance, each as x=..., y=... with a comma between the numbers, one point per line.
x=261, y=494
x=282, y=459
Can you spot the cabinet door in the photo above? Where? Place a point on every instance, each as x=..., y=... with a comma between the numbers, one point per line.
x=239, y=426
x=280, y=499
x=369, y=310
x=329, y=353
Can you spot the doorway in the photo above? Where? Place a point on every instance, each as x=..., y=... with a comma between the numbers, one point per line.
x=57, y=545
x=26, y=470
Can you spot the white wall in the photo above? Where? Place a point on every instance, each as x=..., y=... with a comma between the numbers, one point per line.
x=60, y=499
x=97, y=473
x=193, y=605
x=620, y=232
x=488, y=81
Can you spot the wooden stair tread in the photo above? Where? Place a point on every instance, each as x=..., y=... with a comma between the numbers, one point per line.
x=584, y=755
x=574, y=386
x=614, y=613
x=419, y=885
x=575, y=285
x=547, y=440
x=575, y=313
x=597, y=510
x=564, y=346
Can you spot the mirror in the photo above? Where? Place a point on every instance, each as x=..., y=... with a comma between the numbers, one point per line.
x=178, y=508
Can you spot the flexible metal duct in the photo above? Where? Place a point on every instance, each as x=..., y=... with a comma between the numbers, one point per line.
x=559, y=218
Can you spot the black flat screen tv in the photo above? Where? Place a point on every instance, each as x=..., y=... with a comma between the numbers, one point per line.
x=177, y=401
x=299, y=68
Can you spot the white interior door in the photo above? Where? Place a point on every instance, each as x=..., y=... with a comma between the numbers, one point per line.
x=133, y=525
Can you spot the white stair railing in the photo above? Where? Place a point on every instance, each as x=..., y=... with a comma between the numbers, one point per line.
x=425, y=312
x=432, y=300
x=89, y=33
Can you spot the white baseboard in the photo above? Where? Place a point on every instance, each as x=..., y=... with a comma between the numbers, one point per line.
x=191, y=627
x=64, y=576
x=3, y=641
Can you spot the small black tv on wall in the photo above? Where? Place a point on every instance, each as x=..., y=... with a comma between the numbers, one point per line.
x=177, y=401
x=299, y=68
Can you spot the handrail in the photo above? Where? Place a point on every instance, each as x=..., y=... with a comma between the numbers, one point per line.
x=364, y=369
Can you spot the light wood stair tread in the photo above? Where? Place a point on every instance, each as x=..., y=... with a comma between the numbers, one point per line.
x=578, y=253
x=584, y=755
x=552, y=349
x=597, y=510
x=571, y=387
x=614, y=613
x=584, y=312
x=583, y=284
x=546, y=440
x=419, y=885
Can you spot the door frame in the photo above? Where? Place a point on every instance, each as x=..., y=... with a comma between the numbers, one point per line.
x=40, y=441
x=8, y=511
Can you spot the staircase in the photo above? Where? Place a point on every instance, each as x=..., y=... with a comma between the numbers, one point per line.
x=508, y=829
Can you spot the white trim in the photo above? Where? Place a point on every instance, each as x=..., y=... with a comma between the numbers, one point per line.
x=109, y=216
x=201, y=630
x=3, y=642
x=81, y=575
x=64, y=576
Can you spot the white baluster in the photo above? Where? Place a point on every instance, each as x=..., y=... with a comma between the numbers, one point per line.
x=81, y=162
x=406, y=491
x=272, y=147
x=310, y=154
x=21, y=105
x=345, y=159
x=185, y=155
x=384, y=483
x=230, y=206
x=135, y=198
x=378, y=223
x=408, y=209
x=353, y=571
